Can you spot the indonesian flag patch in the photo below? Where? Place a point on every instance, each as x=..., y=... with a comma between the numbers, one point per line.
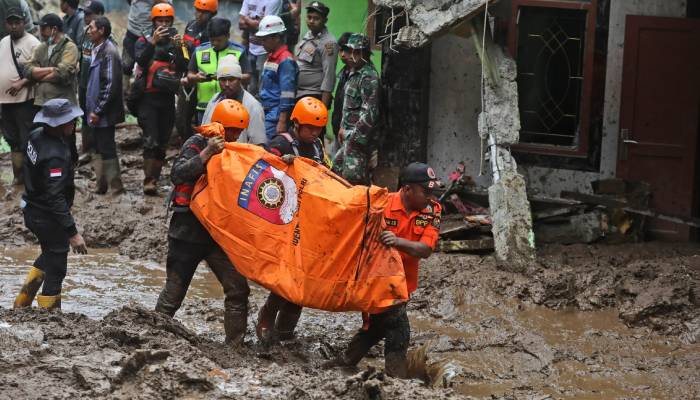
x=55, y=172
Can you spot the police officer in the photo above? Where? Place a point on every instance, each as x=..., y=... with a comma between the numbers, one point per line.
x=358, y=135
x=316, y=54
x=46, y=203
x=412, y=217
x=188, y=242
x=278, y=317
x=203, y=66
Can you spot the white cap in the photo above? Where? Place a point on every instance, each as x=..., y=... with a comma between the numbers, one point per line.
x=270, y=25
x=229, y=68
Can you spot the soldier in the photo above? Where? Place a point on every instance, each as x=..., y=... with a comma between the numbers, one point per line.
x=358, y=136
x=316, y=55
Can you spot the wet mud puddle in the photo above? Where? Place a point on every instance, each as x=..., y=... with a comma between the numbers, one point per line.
x=481, y=346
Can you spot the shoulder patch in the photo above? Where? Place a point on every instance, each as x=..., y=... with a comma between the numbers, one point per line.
x=31, y=153
x=330, y=48
x=422, y=222
x=436, y=222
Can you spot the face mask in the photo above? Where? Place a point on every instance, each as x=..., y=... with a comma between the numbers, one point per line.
x=49, y=41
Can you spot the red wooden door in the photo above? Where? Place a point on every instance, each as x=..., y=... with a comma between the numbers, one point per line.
x=660, y=115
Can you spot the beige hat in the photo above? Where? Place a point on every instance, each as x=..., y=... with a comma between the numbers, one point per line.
x=229, y=68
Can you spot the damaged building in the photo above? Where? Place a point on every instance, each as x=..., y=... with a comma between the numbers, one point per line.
x=607, y=91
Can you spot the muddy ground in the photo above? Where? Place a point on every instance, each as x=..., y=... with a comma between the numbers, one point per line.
x=584, y=322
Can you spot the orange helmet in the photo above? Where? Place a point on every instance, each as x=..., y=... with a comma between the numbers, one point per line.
x=207, y=5
x=310, y=111
x=162, y=10
x=231, y=114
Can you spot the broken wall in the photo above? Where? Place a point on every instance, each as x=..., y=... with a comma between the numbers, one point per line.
x=455, y=104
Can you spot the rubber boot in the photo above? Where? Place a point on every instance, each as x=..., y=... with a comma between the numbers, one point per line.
x=235, y=324
x=49, y=302
x=149, y=181
x=170, y=298
x=287, y=320
x=113, y=175
x=17, y=160
x=101, y=178
x=359, y=347
x=264, y=328
x=87, y=145
x=395, y=365
x=29, y=289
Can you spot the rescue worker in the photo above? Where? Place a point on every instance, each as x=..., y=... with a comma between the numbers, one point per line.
x=358, y=136
x=203, y=66
x=162, y=63
x=47, y=200
x=230, y=75
x=189, y=243
x=412, y=217
x=316, y=56
x=278, y=317
x=279, y=77
x=196, y=33
x=252, y=13
x=92, y=10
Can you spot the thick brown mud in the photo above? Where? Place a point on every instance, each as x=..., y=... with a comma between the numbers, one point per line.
x=583, y=322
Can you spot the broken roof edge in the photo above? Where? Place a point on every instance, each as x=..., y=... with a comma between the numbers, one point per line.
x=431, y=18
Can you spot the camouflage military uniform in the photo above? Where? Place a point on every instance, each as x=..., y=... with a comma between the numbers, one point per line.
x=360, y=116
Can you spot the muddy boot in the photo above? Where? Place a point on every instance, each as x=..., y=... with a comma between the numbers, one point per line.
x=287, y=320
x=149, y=181
x=113, y=176
x=100, y=177
x=49, y=302
x=264, y=328
x=31, y=286
x=17, y=160
x=357, y=349
x=395, y=365
x=235, y=323
x=170, y=298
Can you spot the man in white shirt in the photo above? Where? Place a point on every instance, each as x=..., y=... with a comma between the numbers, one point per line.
x=16, y=92
x=252, y=11
x=229, y=75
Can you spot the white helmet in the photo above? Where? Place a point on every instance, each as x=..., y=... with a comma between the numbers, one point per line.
x=270, y=25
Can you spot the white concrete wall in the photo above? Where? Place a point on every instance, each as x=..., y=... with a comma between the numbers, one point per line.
x=455, y=104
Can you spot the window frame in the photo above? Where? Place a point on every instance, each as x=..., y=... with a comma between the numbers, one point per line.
x=581, y=150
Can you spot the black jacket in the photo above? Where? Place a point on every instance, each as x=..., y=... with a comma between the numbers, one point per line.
x=48, y=177
x=187, y=169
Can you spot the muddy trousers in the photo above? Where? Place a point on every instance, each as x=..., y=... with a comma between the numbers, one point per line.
x=156, y=119
x=392, y=326
x=182, y=261
x=54, y=242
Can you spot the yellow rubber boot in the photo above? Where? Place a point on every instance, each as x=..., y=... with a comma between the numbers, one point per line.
x=49, y=302
x=30, y=287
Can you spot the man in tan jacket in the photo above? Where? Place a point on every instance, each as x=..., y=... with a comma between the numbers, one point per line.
x=53, y=67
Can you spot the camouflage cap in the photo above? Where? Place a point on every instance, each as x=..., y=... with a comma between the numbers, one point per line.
x=358, y=41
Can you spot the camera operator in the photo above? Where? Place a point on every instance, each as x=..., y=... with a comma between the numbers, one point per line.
x=162, y=63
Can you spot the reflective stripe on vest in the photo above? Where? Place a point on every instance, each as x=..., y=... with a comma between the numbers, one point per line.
x=207, y=90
